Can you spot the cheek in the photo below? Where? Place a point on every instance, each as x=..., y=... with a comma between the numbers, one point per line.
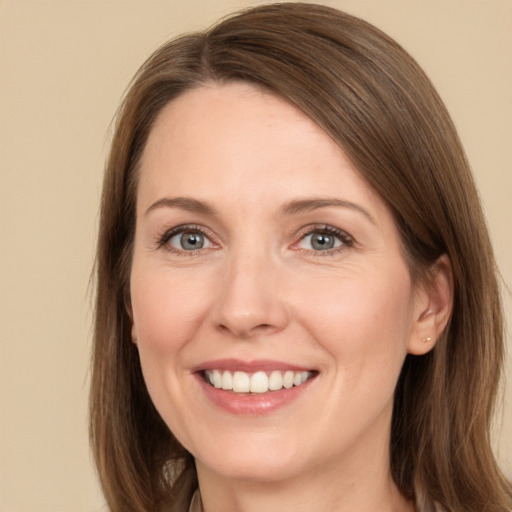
x=166, y=316
x=364, y=322
x=166, y=311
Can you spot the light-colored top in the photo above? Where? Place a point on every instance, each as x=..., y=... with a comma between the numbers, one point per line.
x=196, y=505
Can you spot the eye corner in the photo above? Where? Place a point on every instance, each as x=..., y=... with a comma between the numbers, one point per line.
x=329, y=240
x=199, y=240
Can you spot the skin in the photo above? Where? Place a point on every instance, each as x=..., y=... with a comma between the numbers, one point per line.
x=258, y=289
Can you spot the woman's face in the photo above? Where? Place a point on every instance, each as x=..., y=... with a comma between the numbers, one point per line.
x=263, y=261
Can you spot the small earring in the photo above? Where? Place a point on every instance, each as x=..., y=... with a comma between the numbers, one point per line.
x=427, y=340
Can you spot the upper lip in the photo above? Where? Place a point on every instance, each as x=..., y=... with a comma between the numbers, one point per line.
x=265, y=365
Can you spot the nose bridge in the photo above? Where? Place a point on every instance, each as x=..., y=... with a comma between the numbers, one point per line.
x=250, y=300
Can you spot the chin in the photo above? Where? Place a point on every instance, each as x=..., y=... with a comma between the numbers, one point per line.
x=255, y=458
x=262, y=469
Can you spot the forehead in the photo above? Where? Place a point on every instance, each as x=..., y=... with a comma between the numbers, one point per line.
x=239, y=141
x=236, y=118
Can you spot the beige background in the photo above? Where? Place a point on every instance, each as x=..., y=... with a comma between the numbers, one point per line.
x=63, y=67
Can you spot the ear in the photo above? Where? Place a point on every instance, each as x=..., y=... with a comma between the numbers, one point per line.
x=129, y=311
x=432, y=307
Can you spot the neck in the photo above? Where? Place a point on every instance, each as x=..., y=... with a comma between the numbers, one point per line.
x=247, y=497
x=357, y=482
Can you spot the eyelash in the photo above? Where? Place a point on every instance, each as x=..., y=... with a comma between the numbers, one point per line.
x=346, y=240
x=164, y=239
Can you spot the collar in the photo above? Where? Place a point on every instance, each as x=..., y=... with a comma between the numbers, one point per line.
x=196, y=504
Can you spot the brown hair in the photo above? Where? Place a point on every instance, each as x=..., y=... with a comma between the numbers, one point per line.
x=371, y=97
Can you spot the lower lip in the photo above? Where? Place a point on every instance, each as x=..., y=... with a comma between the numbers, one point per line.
x=253, y=404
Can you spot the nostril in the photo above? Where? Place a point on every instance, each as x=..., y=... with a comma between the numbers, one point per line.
x=245, y=309
x=246, y=332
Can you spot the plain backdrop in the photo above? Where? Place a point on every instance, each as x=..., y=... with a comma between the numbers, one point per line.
x=63, y=68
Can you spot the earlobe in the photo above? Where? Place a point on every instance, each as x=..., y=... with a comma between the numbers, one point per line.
x=129, y=311
x=134, y=333
x=433, y=307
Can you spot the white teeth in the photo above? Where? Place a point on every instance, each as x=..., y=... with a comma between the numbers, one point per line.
x=275, y=382
x=217, y=379
x=288, y=379
x=258, y=382
x=241, y=382
x=227, y=381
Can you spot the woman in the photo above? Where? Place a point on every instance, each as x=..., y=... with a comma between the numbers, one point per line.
x=297, y=302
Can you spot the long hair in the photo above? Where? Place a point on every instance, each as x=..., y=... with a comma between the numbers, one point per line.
x=372, y=98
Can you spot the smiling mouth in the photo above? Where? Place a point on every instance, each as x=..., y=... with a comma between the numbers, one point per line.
x=258, y=382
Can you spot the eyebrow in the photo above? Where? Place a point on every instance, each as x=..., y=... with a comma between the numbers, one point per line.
x=183, y=203
x=291, y=208
x=307, y=205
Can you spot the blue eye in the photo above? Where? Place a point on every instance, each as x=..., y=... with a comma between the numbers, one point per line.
x=322, y=240
x=189, y=241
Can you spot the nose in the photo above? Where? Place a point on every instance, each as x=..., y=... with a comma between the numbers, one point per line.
x=250, y=301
